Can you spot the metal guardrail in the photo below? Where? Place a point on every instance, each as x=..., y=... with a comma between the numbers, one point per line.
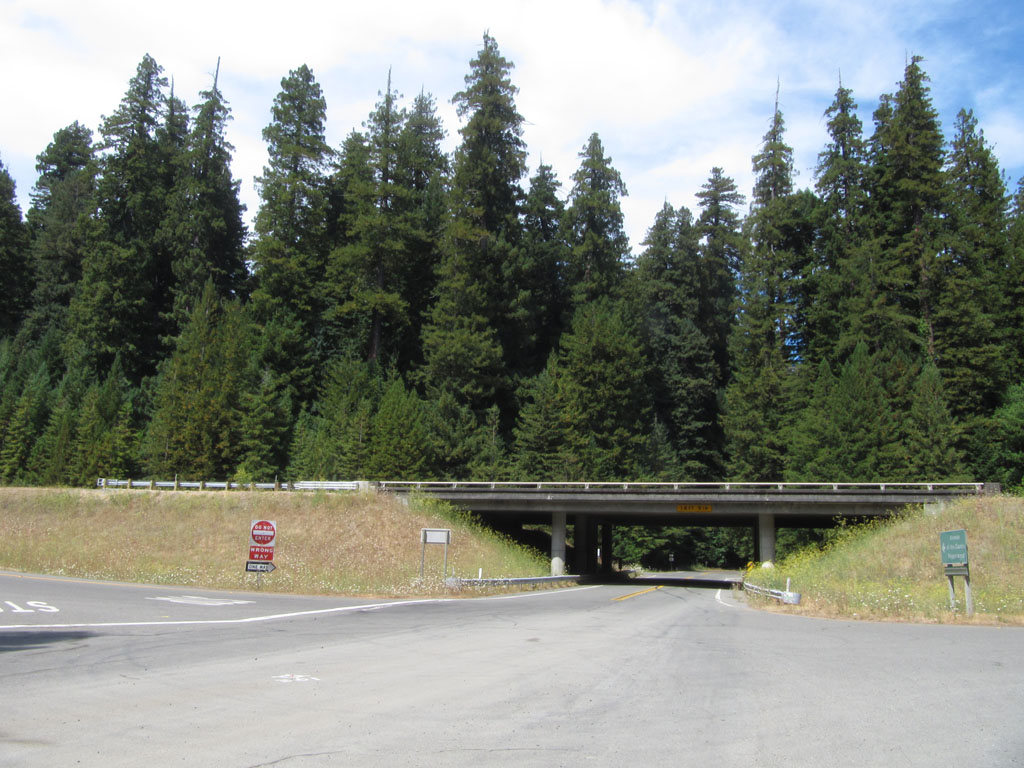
x=455, y=581
x=785, y=596
x=222, y=485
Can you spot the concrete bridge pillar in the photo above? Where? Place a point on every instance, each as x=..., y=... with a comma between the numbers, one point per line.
x=764, y=539
x=558, y=543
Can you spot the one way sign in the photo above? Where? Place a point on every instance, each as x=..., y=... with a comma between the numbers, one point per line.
x=259, y=567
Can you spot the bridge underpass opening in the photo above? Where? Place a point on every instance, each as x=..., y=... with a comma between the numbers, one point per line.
x=594, y=509
x=603, y=544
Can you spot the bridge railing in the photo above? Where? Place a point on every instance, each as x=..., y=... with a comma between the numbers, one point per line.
x=405, y=486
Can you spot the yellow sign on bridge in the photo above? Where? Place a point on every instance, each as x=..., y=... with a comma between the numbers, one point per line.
x=693, y=508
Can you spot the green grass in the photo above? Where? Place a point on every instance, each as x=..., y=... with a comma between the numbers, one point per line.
x=328, y=543
x=891, y=569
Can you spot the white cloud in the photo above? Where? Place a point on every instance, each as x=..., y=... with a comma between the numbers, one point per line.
x=673, y=88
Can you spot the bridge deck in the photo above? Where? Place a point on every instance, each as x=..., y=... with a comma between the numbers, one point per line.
x=699, y=503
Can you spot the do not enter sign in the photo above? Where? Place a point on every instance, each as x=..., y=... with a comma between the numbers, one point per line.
x=263, y=532
x=261, y=540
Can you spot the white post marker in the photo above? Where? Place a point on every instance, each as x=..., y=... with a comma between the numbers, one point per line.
x=435, y=536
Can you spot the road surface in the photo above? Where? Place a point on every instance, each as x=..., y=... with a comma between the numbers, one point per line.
x=99, y=674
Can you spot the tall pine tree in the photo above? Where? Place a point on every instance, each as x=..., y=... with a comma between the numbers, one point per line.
x=14, y=259
x=593, y=220
x=469, y=337
x=292, y=225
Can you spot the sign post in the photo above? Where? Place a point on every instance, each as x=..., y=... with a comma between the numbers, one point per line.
x=435, y=536
x=262, y=538
x=953, y=546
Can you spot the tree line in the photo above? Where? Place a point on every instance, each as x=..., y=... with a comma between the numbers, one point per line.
x=399, y=312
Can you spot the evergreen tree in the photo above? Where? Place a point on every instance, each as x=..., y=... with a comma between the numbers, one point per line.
x=864, y=421
x=368, y=272
x=469, y=332
x=1014, y=288
x=49, y=463
x=292, y=225
x=682, y=368
x=425, y=170
x=539, y=433
x=766, y=339
x=1001, y=453
x=195, y=429
x=973, y=345
x=123, y=302
x=310, y=453
x=815, y=446
x=263, y=431
x=490, y=460
x=896, y=303
x=105, y=437
x=399, y=445
x=24, y=426
x=345, y=327
x=721, y=255
x=541, y=303
x=840, y=184
x=203, y=230
x=14, y=259
x=62, y=225
x=458, y=436
x=602, y=397
x=350, y=395
x=599, y=246
x=930, y=434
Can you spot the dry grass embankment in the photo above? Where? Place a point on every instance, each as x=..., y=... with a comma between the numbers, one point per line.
x=328, y=543
x=892, y=569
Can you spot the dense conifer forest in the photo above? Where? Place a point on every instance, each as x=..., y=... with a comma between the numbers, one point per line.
x=399, y=312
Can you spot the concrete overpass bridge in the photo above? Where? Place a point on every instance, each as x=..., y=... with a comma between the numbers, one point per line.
x=593, y=509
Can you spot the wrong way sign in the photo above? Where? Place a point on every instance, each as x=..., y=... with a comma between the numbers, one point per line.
x=262, y=537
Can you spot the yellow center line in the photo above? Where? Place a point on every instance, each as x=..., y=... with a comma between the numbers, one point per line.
x=635, y=594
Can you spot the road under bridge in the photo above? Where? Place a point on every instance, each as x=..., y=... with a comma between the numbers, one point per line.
x=593, y=509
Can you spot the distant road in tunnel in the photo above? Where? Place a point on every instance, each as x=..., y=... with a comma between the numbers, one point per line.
x=98, y=674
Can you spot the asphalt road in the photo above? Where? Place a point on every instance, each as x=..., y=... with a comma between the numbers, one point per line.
x=106, y=675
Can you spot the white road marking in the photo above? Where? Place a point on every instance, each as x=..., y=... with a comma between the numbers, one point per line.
x=538, y=594
x=198, y=600
x=718, y=597
x=278, y=616
x=295, y=679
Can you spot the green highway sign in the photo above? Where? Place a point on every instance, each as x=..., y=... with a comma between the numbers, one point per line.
x=954, y=547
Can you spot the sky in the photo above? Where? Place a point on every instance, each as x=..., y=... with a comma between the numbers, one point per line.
x=672, y=88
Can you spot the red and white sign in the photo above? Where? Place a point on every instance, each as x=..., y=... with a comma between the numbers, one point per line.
x=262, y=537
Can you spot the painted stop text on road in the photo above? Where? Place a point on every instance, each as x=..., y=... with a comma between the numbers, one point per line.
x=31, y=606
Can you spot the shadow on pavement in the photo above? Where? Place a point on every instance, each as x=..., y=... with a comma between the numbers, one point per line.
x=696, y=579
x=28, y=639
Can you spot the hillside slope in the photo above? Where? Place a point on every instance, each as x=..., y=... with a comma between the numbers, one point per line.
x=327, y=542
x=892, y=569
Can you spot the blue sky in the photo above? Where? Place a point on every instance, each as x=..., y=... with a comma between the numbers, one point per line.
x=673, y=88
